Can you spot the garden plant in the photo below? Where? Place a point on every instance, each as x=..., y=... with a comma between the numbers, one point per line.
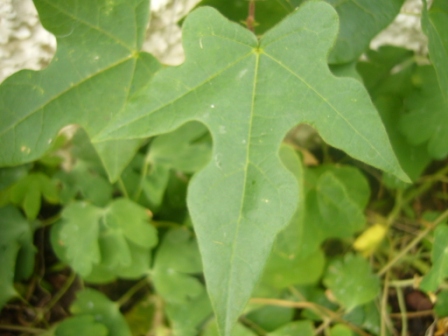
x=143, y=199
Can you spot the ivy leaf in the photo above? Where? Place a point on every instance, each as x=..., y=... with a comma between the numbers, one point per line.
x=435, y=25
x=99, y=243
x=439, y=256
x=97, y=68
x=17, y=251
x=249, y=93
x=427, y=119
x=351, y=281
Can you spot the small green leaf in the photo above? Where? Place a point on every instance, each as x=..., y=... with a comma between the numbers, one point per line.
x=28, y=192
x=176, y=263
x=16, y=237
x=93, y=303
x=302, y=328
x=351, y=281
x=435, y=25
x=79, y=235
x=367, y=317
x=290, y=261
x=185, y=149
x=340, y=330
x=439, y=256
x=427, y=120
x=270, y=318
x=335, y=203
x=441, y=306
x=100, y=243
x=140, y=317
x=81, y=325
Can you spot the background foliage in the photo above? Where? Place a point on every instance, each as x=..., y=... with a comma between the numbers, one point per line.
x=186, y=202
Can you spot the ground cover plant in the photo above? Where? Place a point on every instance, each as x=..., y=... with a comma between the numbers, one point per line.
x=187, y=203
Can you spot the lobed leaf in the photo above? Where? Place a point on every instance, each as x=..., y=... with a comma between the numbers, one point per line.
x=245, y=196
x=97, y=68
x=101, y=243
x=90, y=302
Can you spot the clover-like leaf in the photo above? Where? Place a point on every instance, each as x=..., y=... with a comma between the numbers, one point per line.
x=249, y=93
x=435, y=25
x=81, y=325
x=427, y=119
x=90, y=302
x=98, y=66
x=100, y=243
x=29, y=191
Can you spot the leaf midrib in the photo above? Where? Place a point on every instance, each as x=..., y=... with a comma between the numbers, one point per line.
x=243, y=194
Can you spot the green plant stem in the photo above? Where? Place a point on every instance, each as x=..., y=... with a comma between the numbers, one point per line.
x=123, y=188
x=50, y=221
x=21, y=329
x=426, y=185
x=396, y=209
x=402, y=283
x=320, y=310
x=61, y=292
x=130, y=293
x=253, y=326
x=402, y=306
x=413, y=243
x=383, y=305
x=143, y=173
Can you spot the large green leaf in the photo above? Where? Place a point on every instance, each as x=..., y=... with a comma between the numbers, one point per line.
x=360, y=20
x=249, y=93
x=97, y=68
x=435, y=25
